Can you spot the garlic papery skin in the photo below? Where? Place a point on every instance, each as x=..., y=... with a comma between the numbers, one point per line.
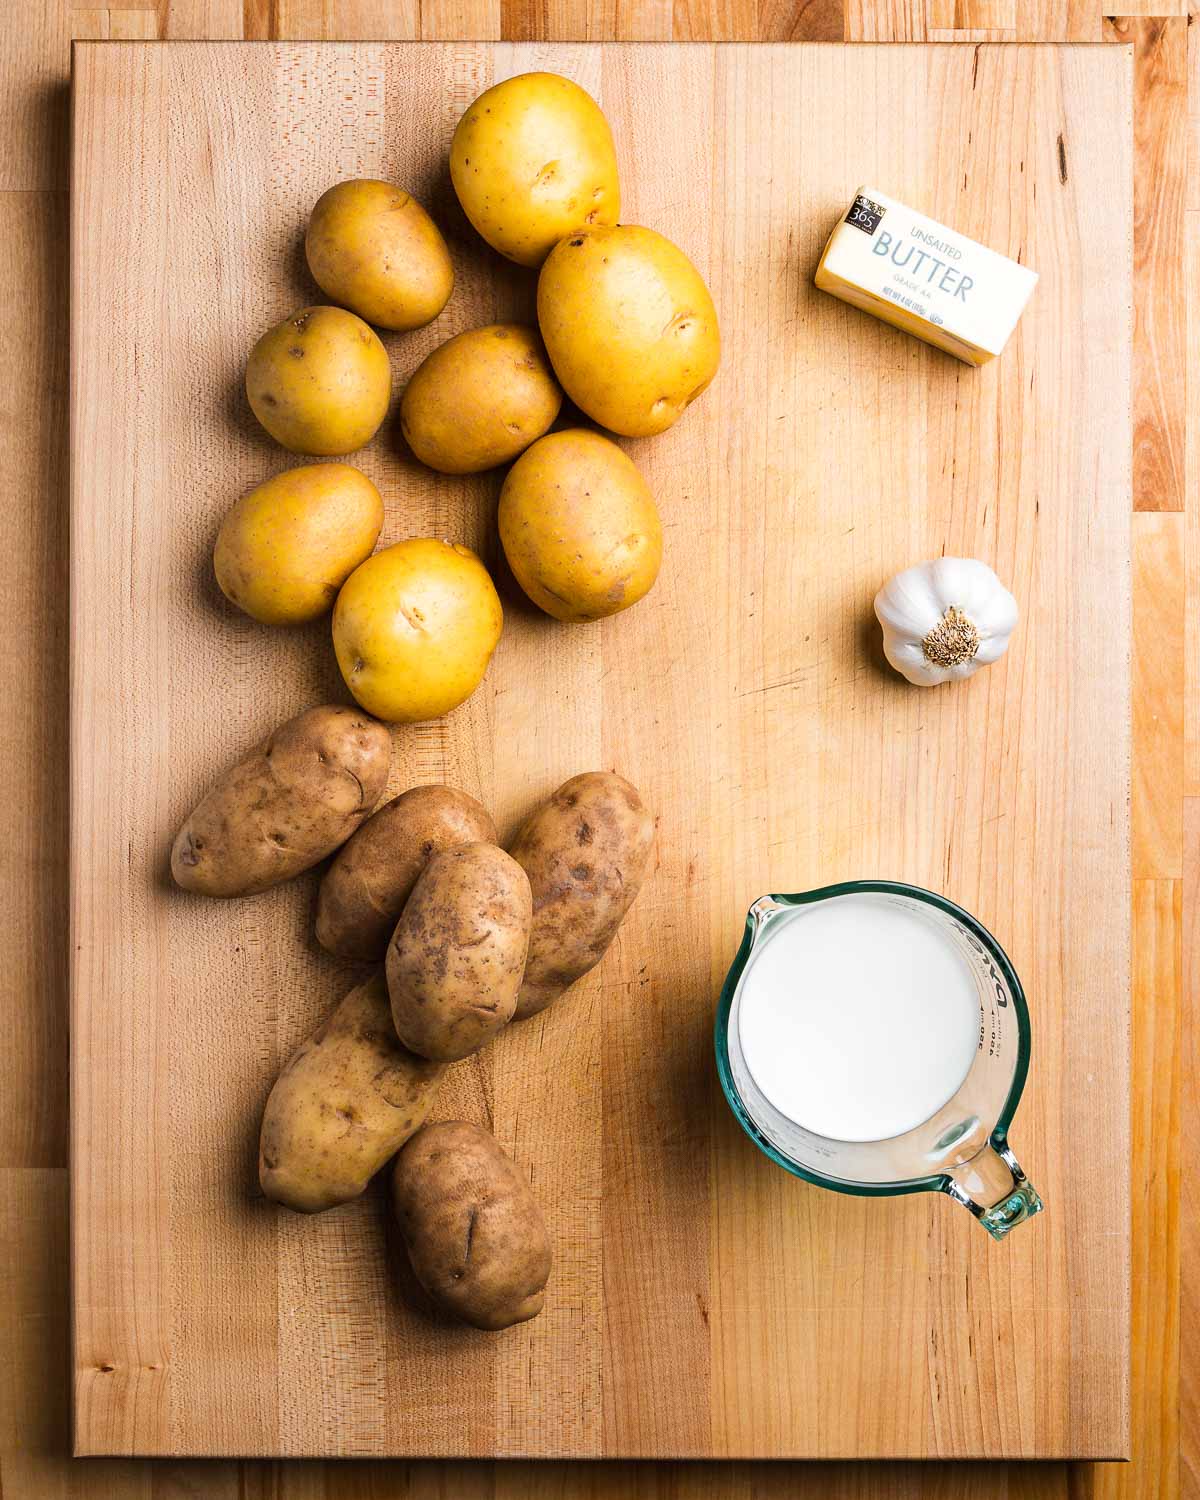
x=943, y=620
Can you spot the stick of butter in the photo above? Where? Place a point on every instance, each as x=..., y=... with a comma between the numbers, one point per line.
x=922, y=277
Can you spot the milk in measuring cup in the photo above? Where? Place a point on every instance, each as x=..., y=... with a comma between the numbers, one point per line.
x=857, y=1019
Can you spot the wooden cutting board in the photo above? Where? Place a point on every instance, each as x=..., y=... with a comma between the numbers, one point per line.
x=703, y=1302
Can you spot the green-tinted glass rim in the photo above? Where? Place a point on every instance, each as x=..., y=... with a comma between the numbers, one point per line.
x=939, y=1182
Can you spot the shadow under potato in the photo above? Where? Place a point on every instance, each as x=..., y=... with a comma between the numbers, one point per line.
x=322, y=680
x=441, y=203
x=512, y=596
x=319, y=677
x=242, y=418
x=208, y=590
x=305, y=291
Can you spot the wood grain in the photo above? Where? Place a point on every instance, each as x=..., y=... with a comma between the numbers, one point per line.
x=922, y=20
x=1158, y=643
x=1189, y=1200
x=201, y=20
x=1157, y=1045
x=973, y=15
x=34, y=43
x=1191, y=698
x=891, y=21
x=205, y=1321
x=132, y=25
x=34, y=1424
x=33, y=826
x=1160, y=349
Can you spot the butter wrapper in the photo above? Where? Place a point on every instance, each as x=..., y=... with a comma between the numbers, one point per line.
x=924, y=277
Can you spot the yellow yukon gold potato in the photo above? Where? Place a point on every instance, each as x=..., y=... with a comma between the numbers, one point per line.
x=346, y=1102
x=366, y=886
x=586, y=851
x=475, y=1236
x=531, y=160
x=320, y=381
x=374, y=249
x=286, y=548
x=457, y=956
x=629, y=326
x=286, y=805
x=579, y=526
x=480, y=399
x=414, y=629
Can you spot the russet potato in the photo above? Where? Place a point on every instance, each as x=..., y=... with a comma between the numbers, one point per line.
x=474, y=1233
x=366, y=886
x=284, y=806
x=457, y=956
x=347, y=1100
x=586, y=851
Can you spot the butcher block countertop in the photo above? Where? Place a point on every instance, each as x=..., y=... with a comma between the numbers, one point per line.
x=703, y=1303
x=34, y=1430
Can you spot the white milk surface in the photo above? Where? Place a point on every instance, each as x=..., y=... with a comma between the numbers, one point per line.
x=858, y=1018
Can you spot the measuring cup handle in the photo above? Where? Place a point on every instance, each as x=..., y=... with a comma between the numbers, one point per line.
x=994, y=1188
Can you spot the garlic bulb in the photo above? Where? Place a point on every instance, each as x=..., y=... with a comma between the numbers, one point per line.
x=945, y=619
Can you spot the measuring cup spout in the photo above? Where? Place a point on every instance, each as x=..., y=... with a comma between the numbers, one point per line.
x=763, y=910
x=994, y=1188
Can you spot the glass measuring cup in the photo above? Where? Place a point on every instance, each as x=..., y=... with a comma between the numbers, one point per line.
x=962, y=1149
